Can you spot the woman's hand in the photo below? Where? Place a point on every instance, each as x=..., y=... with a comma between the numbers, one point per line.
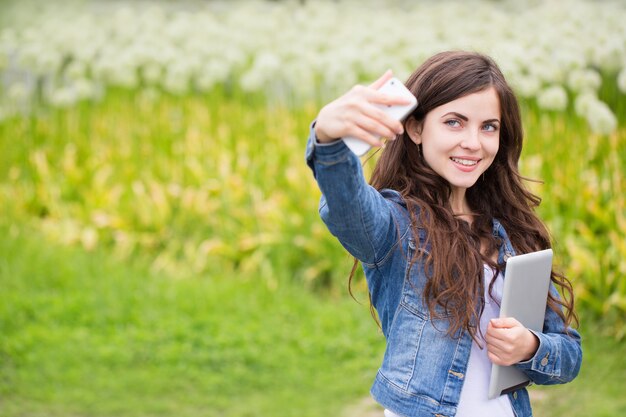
x=509, y=342
x=355, y=114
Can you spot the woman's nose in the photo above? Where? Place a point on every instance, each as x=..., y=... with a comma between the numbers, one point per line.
x=471, y=140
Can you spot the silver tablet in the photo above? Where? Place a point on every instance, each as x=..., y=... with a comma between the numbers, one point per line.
x=524, y=297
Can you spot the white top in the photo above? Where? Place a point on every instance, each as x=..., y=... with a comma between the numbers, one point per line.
x=474, y=401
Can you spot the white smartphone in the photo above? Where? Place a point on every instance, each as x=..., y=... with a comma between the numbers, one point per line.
x=392, y=87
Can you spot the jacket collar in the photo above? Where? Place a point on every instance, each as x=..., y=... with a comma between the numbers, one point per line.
x=506, y=249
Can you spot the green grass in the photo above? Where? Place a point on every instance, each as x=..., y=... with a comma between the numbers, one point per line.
x=598, y=391
x=84, y=335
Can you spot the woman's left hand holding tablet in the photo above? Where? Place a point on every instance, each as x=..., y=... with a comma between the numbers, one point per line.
x=354, y=114
x=509, y=342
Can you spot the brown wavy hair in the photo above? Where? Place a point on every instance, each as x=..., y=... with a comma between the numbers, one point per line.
x=454, y=288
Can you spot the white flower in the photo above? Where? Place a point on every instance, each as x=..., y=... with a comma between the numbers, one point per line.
x=177, y=79
x=18, y=92
x=62, y=97
x=525, y=85
x=177, y=46
x=552, y=98
x=610, y=53
x=263, y=70
x=152, y=72
x=124, y=76
x=213, y=72
x=584, y=102
x=149, y=94
x=548, y=72
x=84, y=89
x=48, y=62
x=584, y=80
x=76, y=70
x=600, y=118
x=252, y=81
x=267, y=62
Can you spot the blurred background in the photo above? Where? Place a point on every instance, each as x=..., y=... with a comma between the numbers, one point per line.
x=160, y=247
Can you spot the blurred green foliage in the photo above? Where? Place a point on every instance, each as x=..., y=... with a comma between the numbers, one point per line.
x=85, y=335
x=217, y=185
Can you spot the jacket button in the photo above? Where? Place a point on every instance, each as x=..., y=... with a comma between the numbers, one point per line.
x=515, y=395
x=544, y=361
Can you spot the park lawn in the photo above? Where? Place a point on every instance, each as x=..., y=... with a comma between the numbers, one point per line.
x=84, y=335
x=598, y=391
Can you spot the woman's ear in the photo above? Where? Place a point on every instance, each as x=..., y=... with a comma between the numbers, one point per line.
x=413, y=129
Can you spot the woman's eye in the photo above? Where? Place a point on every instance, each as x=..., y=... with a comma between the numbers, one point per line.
x=490, y=127
x=453, y=123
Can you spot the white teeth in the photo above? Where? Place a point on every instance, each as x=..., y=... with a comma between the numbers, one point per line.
x=465, y=162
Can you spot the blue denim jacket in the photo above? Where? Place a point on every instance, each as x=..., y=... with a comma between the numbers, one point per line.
x=423, y=369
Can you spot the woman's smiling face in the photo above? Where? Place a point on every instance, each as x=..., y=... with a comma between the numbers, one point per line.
x=460, y=139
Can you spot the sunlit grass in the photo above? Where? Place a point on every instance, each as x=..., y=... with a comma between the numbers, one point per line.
x=597, y=391
x=85, y=335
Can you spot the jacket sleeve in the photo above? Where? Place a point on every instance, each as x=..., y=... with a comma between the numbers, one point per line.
x=559, y=356
x=354, y=212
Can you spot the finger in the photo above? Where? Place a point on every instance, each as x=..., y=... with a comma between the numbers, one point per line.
x=500, y=348
x=500, y=360
x=360, y=93
x=385, y=99
x=366, y=136
x=377, y=128
x=494, y=344
x=493, y=357
x=382, y=118
x=358, y=109
x=506, y=354
x=504, y=335
x=504, y=322
x=382, y=80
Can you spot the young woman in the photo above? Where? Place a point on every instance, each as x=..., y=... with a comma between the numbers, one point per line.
x=446, y=207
